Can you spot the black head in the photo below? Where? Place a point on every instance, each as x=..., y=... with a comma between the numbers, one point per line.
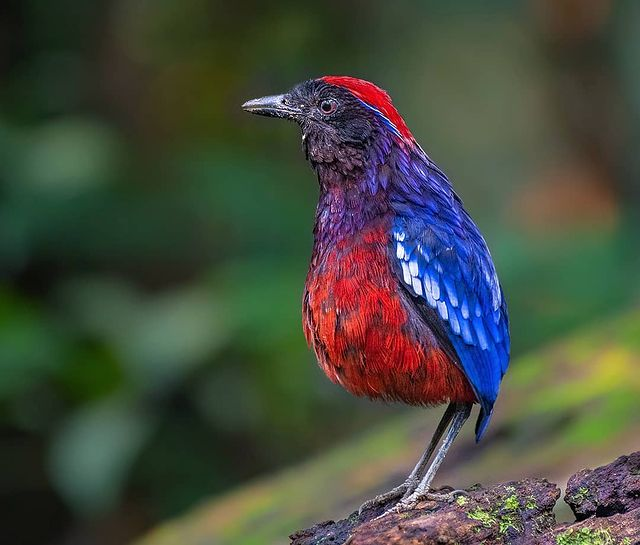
x=343, y=120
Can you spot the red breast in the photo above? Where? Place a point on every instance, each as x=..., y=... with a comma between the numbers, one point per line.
x=354, y=317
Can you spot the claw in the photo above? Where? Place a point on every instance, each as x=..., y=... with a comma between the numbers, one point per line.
x=442, y=496
x=382, y=499
x=410, y=502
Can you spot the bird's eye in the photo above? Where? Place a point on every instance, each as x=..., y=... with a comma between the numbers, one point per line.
x=328, y=106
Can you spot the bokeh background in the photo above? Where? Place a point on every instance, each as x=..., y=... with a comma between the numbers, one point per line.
x=154, y=238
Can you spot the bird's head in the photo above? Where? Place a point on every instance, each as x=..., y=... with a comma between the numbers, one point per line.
x=346, y=122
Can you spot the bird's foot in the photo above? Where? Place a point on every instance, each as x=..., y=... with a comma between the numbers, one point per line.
x=410, y=501
x=395, y=493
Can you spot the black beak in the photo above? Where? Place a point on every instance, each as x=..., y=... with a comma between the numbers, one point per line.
x=273, y=106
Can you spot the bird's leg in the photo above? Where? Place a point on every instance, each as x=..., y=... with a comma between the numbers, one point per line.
x=414, y=478
x=460, y=415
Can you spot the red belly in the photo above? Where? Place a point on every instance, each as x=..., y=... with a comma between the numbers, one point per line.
x=356, y=322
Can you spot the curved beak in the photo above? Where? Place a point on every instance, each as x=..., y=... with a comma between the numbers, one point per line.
x=272, y=106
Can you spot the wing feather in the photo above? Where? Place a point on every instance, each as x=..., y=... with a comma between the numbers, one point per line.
x=444, y=261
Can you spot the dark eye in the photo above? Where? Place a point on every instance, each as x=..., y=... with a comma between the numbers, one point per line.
x=328, y=106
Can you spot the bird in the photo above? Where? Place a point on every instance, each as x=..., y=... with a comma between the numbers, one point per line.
x=402, y=301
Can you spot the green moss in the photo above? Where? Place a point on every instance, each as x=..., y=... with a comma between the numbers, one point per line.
x=581, y=495
x=512, y=502
x=509, y=521
x=626, y=541
x=461, y=500
x=531, y=503
x=505, y=517
x=585, y=536
x=483, y=517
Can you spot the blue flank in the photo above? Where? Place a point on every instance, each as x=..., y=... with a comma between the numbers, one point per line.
x=445, y=261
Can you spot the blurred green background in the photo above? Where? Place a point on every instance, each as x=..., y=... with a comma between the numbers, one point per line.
x=154, y=238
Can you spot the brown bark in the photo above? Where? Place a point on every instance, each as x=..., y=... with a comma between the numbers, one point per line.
x=614, y=488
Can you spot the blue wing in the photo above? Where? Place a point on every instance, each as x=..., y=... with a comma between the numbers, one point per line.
x=444, y=261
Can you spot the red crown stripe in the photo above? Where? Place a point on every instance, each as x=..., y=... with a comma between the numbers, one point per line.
x=374, y=97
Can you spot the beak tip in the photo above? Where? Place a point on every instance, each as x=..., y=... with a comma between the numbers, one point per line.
x=246, y=106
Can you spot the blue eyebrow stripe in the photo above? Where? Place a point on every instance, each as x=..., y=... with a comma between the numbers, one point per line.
x=384, y=118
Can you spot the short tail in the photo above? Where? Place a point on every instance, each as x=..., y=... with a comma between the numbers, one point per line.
x=486, y=410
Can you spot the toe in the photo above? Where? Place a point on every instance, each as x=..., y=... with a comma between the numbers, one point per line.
x=382, y=499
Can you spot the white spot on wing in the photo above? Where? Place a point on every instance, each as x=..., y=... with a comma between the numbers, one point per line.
x=464, y=308
x=442, y=309
x=417, y=286
x=427, y=294
x=453, y=320
x=413, y=267
x=405, y=273
x=481, y=334
x=435, y=288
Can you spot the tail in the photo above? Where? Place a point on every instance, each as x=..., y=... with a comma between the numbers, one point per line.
x=486, y=410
